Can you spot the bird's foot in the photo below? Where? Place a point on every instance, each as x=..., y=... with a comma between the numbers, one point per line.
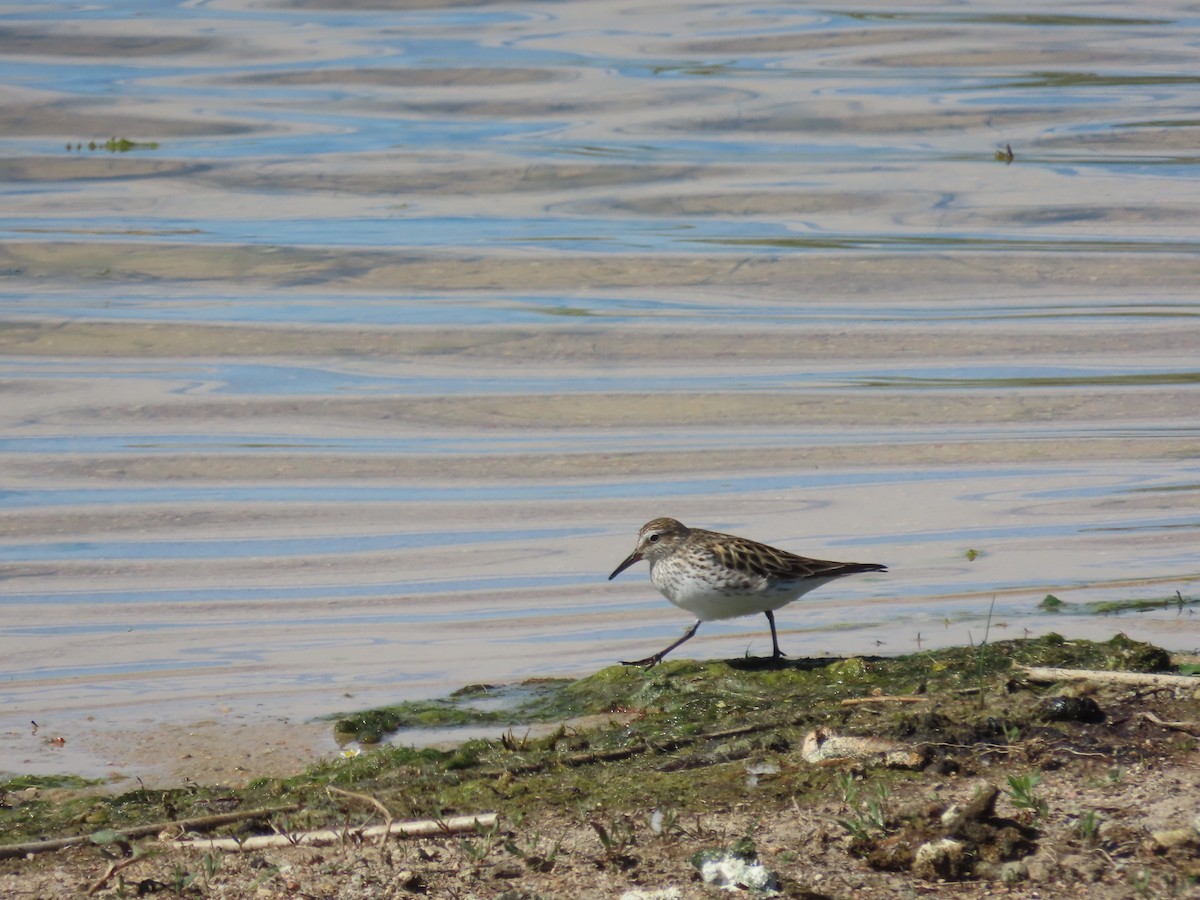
x=649, y=662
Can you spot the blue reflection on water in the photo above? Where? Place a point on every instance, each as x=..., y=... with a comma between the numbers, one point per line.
x=775, y=482
x=279, y=593
x=264, y=547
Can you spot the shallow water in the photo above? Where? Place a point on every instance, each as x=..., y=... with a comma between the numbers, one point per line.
x=356, y=386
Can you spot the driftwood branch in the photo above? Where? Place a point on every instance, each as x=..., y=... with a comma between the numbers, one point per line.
x=424, y=828
x=1044, y=675
x=9, y=851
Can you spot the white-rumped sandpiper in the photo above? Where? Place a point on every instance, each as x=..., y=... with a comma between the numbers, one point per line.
x=721, y=576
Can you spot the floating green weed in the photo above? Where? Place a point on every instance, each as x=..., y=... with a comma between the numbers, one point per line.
x=1116, y=607
x=569, y=311
x=114, y=145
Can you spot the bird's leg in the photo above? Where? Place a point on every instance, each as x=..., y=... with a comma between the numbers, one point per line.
x=777, y=653
x=651, y=661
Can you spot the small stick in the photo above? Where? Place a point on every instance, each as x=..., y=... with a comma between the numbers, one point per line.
x=1044, y=675
x=388, y=818
x=423, y=828
x=582, y=759
x=365, y=798
x=113, y=869
x=1192, y=728
x=858, y=701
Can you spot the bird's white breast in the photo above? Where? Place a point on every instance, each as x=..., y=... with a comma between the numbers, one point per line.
x=715, y=592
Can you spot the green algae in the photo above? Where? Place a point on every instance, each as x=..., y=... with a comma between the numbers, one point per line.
x=66, y=806
x=114, y=145
x=678, y=737
x=475, y=704
x=1115, y=607
x=688, y=697
x=24, y=782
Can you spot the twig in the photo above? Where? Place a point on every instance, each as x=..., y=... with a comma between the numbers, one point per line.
x=739, y=730
x=365, y=798
x=9, y=851
x=423, y=828
x=1192, y=728
x=1084, y=753
x=1044, y=675
x=113, y=869
x=977, y=748
x=388, y=818
x=676, y=743
x=858, y=701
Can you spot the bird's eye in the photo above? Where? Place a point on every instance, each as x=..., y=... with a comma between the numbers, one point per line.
x=653, y=538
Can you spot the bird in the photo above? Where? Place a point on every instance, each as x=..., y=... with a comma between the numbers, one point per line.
x=722, y=576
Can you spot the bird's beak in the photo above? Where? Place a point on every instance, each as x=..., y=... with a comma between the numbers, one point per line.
x=629, y=561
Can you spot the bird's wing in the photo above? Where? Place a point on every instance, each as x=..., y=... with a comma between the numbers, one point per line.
x=763, y=561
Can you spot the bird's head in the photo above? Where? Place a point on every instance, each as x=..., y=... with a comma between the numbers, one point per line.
x=658, y=538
